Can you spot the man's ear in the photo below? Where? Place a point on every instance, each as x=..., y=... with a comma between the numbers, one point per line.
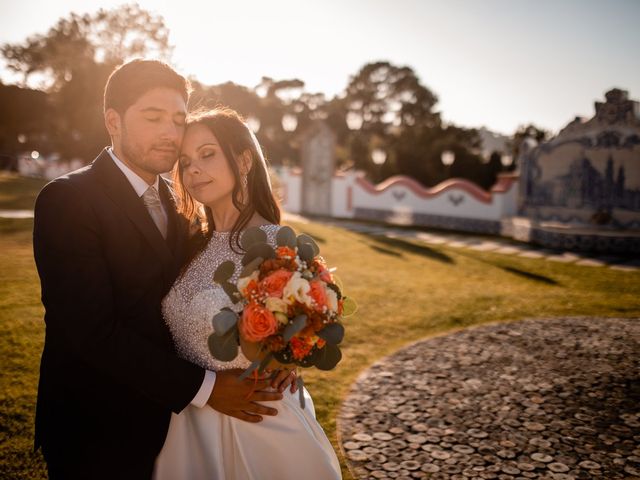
x=113, y=122
x=245, y=161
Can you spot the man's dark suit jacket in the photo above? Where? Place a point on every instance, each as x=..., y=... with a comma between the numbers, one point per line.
x=109, y=375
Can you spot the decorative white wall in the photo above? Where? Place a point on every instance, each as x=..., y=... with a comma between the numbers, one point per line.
x=455, y=203
x=44, y=168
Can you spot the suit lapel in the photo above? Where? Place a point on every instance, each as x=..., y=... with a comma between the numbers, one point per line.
x=175, y=231
x=169, y=204
x=122, y=194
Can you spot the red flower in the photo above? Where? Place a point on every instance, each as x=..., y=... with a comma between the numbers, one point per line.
x=285, y=252
x=300, y=347
x=319, y=294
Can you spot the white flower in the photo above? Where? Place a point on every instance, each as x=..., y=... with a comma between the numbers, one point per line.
x=244, y=281
x=282, y=318
x=297, y=289
x=332, y=300
x=276, y=304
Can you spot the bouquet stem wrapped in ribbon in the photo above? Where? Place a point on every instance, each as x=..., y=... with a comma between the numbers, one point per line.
x=293, y=306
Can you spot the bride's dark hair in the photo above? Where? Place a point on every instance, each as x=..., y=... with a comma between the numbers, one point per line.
x=234, y=138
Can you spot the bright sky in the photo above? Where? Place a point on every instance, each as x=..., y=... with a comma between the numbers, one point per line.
x=497, y=63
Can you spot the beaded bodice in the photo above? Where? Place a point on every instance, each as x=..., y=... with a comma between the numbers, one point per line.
x=195, y=298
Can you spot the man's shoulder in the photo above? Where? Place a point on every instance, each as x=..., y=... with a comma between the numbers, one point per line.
x=79, y=182
x=71, y=181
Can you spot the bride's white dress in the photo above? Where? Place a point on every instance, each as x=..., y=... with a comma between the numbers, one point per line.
x=205, y=444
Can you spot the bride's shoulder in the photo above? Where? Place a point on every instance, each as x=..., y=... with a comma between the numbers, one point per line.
x=271, y=229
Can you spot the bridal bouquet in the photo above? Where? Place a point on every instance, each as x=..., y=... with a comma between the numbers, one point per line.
x=292, y=306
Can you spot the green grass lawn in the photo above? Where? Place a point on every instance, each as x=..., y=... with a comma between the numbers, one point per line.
x=18, y=193
x=405, y=291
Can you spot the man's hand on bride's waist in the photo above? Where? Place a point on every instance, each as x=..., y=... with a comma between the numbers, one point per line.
x=240, y=398
x=283, y=378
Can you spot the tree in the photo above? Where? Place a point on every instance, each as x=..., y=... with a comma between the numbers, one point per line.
x=418, y=153
x=24, y=120
x=76, y=56
x=397, y=113
x=384, y=105
x=524, y=132
x=384, y=95
x=108, y=37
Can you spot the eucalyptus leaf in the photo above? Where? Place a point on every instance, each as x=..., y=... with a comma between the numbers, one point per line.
x=286, y=237
x=224, y=272
x=262, y=250
x=251, y=267
x=223, y=321
x=349, y=307
x=309, y=360
x=225, y=347
x=305, y=252
x=328, y=357
x=284, y=356
x=332, y=333
x=303, y=238
x=252, y=236
x=232, y=291
x=300, y=383
x=255, y=364
x=265, y=361
x=296, y=324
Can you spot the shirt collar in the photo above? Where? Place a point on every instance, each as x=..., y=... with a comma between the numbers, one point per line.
x=138, y=184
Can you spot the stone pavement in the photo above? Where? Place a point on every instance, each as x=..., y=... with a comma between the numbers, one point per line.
x=487, y=244
x=554, y=398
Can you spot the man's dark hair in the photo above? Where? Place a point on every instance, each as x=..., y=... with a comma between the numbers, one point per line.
x=131, y=80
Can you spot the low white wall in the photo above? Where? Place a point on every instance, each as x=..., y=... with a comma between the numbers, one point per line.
x=43, y=168
x=403, y=200
x=290, y=186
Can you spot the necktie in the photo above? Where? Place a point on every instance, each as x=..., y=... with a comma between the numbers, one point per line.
x=152, y=201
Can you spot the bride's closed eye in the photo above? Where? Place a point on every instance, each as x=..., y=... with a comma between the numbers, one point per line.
x=208, y=153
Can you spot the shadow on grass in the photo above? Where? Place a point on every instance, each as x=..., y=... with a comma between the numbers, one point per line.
x=516, y=271
x=527, y=275
x=317, y=238
x=398, y=243
x=386, y=251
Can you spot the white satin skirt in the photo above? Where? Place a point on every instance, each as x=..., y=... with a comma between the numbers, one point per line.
x=203, y=443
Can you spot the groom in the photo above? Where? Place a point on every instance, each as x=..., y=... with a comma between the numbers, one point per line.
x=108, y=245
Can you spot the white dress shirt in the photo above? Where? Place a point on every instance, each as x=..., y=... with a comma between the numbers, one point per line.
x=140, y=186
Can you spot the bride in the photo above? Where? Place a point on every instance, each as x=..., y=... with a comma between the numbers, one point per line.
x=221, y=167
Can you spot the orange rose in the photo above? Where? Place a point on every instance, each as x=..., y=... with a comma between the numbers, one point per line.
x=274, y=284
x=318, y=293
x=257, y=323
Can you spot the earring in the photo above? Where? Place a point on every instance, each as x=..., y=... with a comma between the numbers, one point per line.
x=245, y=182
